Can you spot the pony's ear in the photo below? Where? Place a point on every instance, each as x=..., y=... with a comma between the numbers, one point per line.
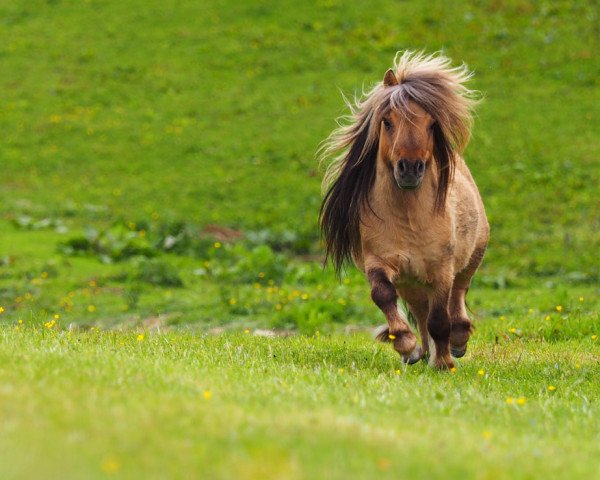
x=389, y=79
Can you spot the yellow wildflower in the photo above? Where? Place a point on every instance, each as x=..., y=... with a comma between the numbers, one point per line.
x=304, y=296
x=594, y=337
x=110, y=465
x=341, y=370
x=56, y=316
x=232, y=301
x=559, y=308
x=547, y=318
x=398, y=372
x=512, y=330
x=581, y=299
x=1, y=309
x=521, y=400
x=217, y=245
x=247, y=330
x=391, y=336
x=510, y=400
x=140, y=337
x=487, y=434
x=453, y=370
x=91, y=308
x=481, y=371
x=207, y=394
x=20, y=321
x=551, y=388
x=261, y=274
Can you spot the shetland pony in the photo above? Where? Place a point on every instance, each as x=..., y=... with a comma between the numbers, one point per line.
x=400, y=202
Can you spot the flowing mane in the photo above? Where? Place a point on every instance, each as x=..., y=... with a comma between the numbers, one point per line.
x=351, y=149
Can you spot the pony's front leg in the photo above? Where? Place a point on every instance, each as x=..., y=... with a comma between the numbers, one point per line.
x=385, y=297
x=439, y=327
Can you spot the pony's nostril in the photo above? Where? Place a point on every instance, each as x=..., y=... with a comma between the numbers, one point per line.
x=402, y=167
x=420, y=167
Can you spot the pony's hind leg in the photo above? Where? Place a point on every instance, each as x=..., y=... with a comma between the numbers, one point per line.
x=398, y=332
x=418, y=304
x=420, y=310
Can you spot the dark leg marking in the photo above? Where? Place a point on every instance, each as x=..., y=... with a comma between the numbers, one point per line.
x=438, y=325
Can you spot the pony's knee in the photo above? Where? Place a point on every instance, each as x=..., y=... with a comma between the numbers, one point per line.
x=384, y=296
x=383, y=293
x=460, y=332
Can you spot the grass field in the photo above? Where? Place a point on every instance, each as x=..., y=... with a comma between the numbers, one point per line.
x=158, y=179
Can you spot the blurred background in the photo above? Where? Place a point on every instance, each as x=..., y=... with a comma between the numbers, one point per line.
x=158, y=157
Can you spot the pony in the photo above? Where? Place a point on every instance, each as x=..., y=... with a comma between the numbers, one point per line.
x=400, y=202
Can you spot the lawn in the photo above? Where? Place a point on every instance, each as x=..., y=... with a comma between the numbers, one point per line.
x=92, y=404
x=159, y=179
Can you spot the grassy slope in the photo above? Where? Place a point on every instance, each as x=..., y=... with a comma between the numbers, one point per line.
x=181, y=111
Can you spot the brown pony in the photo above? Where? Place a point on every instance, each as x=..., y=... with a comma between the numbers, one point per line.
x=401, y=203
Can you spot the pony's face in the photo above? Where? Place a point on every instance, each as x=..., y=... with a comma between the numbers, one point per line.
x=406, y=141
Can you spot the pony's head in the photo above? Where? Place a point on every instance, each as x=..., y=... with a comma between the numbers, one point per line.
x=414, y=124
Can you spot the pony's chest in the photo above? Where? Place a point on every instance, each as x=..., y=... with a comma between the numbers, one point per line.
x=412, y=253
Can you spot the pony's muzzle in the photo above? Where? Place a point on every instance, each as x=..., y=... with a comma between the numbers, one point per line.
x=408, y=173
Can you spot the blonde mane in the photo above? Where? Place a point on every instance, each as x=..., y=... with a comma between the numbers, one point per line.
x=430, y=81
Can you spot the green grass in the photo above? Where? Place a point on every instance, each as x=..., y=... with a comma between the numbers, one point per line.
x=85, y=405
x=132, y=131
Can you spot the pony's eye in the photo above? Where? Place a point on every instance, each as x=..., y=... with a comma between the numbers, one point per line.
x=387, y=123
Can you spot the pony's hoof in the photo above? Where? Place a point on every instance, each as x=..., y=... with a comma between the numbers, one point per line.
x=458, y=352
x=441, y=364
x=414, y=356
